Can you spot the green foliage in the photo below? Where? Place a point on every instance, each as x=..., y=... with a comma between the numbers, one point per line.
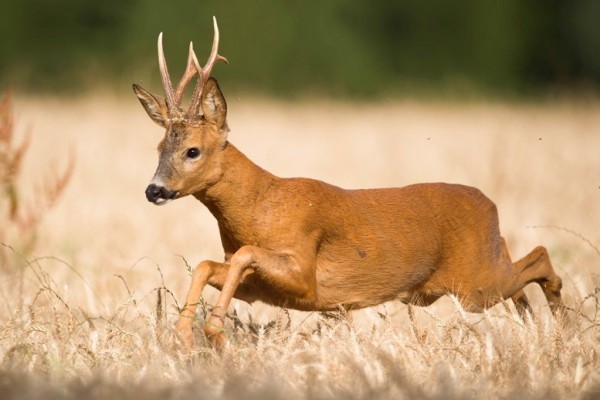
x=333, y=47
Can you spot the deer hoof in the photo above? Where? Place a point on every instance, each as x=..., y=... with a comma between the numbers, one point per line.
x=216, y=336
x=184, y=336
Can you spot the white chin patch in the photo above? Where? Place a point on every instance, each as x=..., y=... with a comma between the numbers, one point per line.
x=162, y=202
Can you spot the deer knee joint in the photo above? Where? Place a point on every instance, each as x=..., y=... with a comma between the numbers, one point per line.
x=243, y=258
x=203, y=269
x=541, y=252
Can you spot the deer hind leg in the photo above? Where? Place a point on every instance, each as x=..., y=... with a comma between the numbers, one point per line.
x=536, y=267
x=522, y=304
x=519, y=298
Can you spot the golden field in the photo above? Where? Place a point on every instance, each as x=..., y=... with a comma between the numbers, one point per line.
x=89, y=312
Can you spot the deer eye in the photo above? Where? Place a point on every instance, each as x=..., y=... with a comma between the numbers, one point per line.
x=193, y=152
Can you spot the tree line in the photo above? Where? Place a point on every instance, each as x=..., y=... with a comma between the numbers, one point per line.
x=288, y=48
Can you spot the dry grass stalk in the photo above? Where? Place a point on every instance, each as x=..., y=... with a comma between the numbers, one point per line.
x=22, y=218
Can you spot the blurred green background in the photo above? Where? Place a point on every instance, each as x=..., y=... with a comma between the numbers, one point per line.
x=336, y=48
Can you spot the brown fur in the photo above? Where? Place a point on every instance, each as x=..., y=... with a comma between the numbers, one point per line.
x=308, y=245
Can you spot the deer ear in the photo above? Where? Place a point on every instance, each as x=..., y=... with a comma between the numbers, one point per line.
x=155, y=106
x=214, y=106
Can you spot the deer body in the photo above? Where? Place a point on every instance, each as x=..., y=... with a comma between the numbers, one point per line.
x=305, y=244
x=358, y=247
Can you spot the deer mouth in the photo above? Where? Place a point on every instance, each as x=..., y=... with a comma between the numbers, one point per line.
x=162, y=202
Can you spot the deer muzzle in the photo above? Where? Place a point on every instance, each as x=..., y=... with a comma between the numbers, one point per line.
x=159, y=195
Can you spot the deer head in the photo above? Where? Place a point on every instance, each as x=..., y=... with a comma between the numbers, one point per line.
x=190, y=154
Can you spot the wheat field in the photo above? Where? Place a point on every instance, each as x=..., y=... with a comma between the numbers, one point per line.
x=88, y=312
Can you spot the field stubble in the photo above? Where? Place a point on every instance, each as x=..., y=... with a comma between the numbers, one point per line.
x=90, y=313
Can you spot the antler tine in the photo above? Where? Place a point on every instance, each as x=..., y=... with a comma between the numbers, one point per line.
x=164, y=76
x=204, y=72
x=214, y=53
x=190, y=71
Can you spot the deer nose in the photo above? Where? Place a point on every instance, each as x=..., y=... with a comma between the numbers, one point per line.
x=154, y=193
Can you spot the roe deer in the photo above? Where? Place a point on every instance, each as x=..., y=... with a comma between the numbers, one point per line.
x=308, y=245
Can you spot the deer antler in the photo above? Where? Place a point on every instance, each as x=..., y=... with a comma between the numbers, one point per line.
x=166, y=80
x=190, y=71
x=204, y=72
x=173, y=98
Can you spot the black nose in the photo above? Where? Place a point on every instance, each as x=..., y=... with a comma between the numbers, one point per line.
x=154, y=193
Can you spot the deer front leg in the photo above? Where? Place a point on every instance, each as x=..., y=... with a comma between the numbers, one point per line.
x=280, y=270
x=204, y=271
x=214, y=274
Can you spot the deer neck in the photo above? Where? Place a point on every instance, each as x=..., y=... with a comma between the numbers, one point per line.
x=241, y=189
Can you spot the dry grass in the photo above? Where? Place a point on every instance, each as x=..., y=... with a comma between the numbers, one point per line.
x=21, y=220
x=89, y=314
